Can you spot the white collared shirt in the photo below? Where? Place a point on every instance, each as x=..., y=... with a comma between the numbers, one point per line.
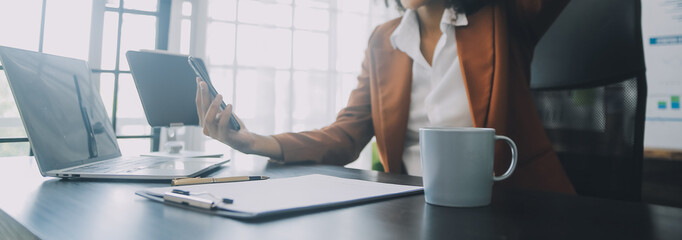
x=439, y=98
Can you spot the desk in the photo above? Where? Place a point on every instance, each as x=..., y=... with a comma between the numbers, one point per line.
x=63, y=209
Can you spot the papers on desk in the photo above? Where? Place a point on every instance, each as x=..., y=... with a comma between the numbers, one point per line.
x=275, y=196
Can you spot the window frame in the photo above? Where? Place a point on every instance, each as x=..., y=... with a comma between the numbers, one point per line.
x=99, y=8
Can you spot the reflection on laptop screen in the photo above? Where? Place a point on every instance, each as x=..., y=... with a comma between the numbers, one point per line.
x=62, y=112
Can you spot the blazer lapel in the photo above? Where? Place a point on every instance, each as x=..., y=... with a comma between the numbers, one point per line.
x=476, y=57
x=393, y=73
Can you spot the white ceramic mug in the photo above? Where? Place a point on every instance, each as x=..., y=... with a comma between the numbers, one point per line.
x=457, y=165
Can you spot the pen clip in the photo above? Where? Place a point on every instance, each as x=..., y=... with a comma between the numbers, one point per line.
x=179, y=191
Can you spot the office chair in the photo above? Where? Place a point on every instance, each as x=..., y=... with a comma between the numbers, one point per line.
x=589, y=86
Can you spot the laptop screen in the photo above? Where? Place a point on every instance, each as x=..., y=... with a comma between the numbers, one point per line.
x=64, y=117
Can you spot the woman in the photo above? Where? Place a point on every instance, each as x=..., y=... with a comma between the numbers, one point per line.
x=460, y=63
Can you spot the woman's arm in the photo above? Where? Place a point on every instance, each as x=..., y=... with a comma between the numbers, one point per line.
x=342, y=141
x=339, y=144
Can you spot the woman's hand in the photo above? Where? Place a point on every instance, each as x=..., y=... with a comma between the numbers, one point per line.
x=216, y=121
x=216, y=125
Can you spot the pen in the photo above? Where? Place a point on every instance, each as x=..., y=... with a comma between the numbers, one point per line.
x=197, y=180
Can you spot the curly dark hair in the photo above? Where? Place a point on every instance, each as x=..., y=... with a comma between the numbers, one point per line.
x=462, y=6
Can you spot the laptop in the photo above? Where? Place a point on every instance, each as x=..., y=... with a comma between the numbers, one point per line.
x=68, y=127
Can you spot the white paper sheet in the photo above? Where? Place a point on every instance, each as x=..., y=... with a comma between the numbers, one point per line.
x=285, y=194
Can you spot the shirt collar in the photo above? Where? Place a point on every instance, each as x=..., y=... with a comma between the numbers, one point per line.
x=404, y=33
x=450, y=17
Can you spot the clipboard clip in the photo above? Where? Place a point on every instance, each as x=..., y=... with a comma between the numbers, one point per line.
x=189, y=200
x=185, y=198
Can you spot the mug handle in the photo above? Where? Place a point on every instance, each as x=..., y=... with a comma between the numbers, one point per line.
x=514, y=151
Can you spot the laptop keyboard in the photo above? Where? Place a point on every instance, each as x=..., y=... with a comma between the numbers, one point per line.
x=127, y=165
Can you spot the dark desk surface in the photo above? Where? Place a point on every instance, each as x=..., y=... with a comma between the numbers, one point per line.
x=11, y=229
x=63, y=209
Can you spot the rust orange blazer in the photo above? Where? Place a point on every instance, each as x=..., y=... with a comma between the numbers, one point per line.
x=495, y=52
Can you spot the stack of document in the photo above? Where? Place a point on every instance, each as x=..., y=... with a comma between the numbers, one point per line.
x=252, y=199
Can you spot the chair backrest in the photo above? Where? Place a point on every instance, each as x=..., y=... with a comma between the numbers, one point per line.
x=588, y=82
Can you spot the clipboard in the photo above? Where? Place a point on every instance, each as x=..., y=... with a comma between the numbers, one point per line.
x=255, y=199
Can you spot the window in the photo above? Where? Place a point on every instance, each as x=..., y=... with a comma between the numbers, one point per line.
x=27, y=36
x=97, y=31
x=127, y=25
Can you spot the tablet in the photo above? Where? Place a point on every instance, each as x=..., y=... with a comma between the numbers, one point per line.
x=167, y=87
